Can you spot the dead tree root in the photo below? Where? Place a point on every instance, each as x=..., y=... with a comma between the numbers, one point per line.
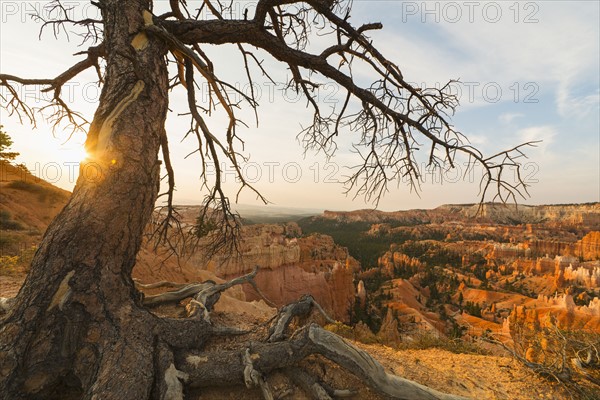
x=252, y=363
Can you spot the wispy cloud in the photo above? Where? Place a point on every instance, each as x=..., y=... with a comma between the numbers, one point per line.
x=545, y=134
x=507, y=118
x=573, y=106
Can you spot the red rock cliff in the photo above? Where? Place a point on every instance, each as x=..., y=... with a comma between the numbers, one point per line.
x=292, y=266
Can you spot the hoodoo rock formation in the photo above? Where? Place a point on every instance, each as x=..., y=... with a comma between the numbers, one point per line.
x=566, y=314
x=291, y=266
x=588, y=247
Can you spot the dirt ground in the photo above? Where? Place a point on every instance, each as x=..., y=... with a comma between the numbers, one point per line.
x=471, y=375
x=10, y=285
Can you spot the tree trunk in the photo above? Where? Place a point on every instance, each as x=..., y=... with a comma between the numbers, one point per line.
x=78, y=329
x=67, y=333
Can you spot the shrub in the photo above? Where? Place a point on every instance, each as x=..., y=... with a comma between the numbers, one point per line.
x=7, y=223
x=341, y=329
x=8, y=264
x=569, y=357
x=44, y=193
x=25, y=186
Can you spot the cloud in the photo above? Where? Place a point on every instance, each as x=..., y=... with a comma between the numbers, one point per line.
x=570, y=105
x=546, y=134
x=507, y=118
x=508, y=54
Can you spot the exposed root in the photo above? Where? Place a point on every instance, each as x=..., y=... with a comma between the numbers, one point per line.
x=261, y=294
x=341, y=393
x=301, y=308
x=168, y=380
x=174, y=296
x=308, y=383
x=581, y=366
x=227, y=331
x=204, y=302
x=261, y=359
x=251, y=364
x=205, y=295
x=253, y=378
x=157, y=285
x=361, y=364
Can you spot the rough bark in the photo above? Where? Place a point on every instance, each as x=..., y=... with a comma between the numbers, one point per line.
x=70, y=332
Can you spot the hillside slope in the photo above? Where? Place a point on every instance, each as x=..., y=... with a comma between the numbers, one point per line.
x=27, y=205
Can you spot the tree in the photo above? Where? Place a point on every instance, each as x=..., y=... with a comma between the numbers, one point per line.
x=78, y=327
x=5, y=143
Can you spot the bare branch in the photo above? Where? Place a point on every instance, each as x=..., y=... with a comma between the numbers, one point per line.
x=59, y=110
x=61, y=19
x=393, y=113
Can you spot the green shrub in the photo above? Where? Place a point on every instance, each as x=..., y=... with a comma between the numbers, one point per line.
x=44, y=193
x=341, y=329
x=7, y=223
x=25, y=186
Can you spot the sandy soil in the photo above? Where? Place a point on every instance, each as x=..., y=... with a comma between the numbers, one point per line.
x=474, y=376
x=10, y=285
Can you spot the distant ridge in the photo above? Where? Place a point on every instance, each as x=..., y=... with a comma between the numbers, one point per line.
x=583, y=214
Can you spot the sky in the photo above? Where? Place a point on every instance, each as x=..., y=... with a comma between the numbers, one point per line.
x=529, y=70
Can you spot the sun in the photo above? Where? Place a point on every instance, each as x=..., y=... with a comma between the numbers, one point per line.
x=73, y=153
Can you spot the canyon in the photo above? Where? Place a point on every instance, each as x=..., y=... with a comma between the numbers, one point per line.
x=469, y=270
x=290, y=265
x=454, y=274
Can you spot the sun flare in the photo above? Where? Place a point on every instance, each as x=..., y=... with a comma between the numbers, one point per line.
x=74, y=153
